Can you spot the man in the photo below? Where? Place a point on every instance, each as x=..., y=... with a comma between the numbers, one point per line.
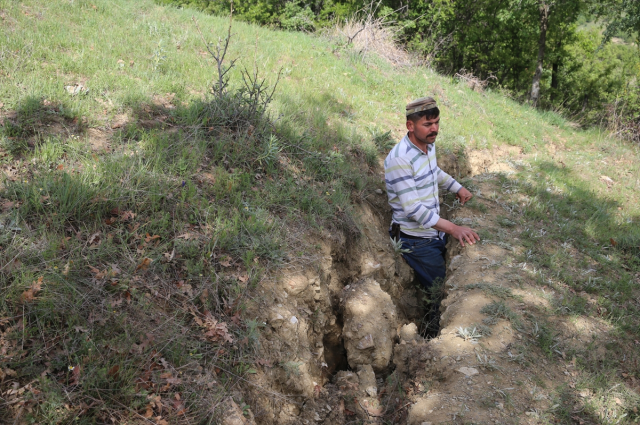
x=413, y=179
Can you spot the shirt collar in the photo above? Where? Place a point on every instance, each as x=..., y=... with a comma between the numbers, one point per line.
x=411, y=145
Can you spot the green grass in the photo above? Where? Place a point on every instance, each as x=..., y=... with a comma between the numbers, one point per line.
x=186, y=211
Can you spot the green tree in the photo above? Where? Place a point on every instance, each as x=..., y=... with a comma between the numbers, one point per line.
x=623, y=16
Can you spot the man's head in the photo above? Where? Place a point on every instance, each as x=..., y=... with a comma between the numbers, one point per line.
x=423, y=118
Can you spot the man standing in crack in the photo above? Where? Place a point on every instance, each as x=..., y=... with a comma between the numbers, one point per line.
x=413, y=178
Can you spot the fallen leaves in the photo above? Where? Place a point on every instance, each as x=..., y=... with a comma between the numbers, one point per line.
x=30, y=294
x=148, y=238
x=114, y=372
x=144, y=264
x=6, y=205
x=127, y=215
x=168, y=256
x=75, y=375
x=213, y=330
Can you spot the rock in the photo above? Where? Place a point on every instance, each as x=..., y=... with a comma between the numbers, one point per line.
x=409, y=332
x=455, y=262
x=379, y=191
x=367, y=380
x=295, y=284
x=365, y=342
x=500, y=406
x=370, y=323
x=369, y=266
x=233, y=414
x=275, y=319
x=468, y=371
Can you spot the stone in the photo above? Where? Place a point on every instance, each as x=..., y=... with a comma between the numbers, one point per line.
x=468, y=371
x=365, y=342
x=370, y=323
x=295, y=284
x=367, y=380
x=409, y=332
x=455, y=262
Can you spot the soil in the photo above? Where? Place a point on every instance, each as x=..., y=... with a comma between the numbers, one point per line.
x=343, y=344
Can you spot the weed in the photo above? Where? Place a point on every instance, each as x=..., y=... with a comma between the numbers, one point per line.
x=546, y=340
x=487, y=362
x=505, y=222
x=397, y=247
x=490, y=321
x=382, y=140
x=469, y=333
x=499, y=310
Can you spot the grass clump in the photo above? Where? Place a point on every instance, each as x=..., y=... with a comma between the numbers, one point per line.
x=499, y=310
x=501, y=292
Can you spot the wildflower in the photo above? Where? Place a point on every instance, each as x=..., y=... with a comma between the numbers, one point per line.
x=71, y=367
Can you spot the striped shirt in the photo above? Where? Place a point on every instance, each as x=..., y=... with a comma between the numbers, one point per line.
x=413, y=179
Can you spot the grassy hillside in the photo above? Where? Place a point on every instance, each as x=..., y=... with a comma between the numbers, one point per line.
x=137, y=220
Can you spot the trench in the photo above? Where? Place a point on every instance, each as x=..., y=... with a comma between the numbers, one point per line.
x=424, y=316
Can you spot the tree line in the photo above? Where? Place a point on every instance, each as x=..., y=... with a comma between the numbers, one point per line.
x=579, y=57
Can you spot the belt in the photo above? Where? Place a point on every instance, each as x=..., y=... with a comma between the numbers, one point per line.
x=404, y=235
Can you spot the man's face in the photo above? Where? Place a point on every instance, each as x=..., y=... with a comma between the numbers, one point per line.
x=425, y=130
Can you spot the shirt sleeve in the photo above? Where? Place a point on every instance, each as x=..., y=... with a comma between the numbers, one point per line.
x=446, y=182
x=400, y=183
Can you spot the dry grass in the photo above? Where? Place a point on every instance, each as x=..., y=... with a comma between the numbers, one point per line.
x=473, y=82
x=373, y=35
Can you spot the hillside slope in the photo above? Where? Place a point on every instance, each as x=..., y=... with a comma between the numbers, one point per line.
x=168, y=257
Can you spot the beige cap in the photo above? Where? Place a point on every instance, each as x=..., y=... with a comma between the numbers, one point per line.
x=422, y=104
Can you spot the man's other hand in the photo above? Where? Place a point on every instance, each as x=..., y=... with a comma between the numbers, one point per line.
x=463, y=195
x=465, y=234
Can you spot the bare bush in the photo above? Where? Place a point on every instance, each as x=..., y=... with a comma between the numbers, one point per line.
x=370, y=34
x=474, y=83
x=620, y=122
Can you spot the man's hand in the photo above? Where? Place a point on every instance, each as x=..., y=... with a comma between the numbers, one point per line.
x=461, y=233
x=463, y=195
x=465, y=234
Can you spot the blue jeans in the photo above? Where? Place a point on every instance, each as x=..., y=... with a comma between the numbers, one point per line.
x=426, y=259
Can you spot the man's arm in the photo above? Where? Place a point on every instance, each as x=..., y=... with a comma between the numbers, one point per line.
x=463, y=195
x=461, y=233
